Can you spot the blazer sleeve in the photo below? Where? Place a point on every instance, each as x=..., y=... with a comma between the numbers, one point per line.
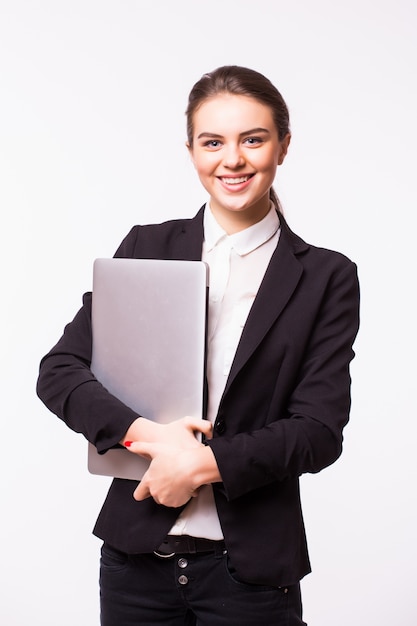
x=68, y=387
x=305, y=433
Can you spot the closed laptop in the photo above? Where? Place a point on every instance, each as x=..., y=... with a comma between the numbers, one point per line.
x=149, y=332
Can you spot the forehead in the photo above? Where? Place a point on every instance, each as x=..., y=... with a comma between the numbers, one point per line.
x=227, y=113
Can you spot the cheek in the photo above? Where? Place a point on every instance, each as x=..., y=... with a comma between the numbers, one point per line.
x=204, y=166
x=263, y=160
x=270, y=162
x=203, y=173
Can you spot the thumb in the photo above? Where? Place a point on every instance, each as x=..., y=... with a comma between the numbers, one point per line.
x=141, y=492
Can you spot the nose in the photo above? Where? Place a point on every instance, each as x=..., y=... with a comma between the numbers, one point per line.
x=233, y=157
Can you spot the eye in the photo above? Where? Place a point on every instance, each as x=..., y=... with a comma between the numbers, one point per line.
x=212, y=143
x=253, y=141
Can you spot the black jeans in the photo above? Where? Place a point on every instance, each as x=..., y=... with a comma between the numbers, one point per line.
x=188, y=590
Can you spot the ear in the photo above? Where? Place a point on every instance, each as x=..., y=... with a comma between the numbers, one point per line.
x=190, y=151
x=284, y=148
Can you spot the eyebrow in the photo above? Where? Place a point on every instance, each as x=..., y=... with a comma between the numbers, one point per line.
x=252, y=131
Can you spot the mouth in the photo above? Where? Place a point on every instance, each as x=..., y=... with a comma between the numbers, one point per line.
x=235, y=180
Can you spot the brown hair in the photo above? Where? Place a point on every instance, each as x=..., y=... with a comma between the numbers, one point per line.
x=240, y=81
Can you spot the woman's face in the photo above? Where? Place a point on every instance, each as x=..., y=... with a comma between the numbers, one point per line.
x=236, y=152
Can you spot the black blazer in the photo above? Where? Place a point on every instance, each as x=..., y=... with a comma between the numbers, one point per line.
x=286, y=401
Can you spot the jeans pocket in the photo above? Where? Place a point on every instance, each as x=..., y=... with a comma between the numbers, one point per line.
x=245, y=586
x=113, y=559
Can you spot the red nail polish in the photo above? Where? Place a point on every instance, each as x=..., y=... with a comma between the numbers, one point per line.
x=128, y=444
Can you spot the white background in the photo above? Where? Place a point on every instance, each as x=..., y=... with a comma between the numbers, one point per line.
x=92, y=131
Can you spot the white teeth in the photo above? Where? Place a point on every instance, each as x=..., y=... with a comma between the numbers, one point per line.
x=235, y=181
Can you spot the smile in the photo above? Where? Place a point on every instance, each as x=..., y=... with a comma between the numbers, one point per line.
x=238, y=180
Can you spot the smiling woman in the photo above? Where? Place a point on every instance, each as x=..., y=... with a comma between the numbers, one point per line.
x=236, y=149
x=214, y=534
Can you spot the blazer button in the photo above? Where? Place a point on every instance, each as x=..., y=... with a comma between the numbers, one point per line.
x=220, y=426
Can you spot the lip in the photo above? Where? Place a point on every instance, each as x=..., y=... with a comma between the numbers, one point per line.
x=235, y=182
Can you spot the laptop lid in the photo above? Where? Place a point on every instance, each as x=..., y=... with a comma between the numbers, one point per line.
x=149, y=332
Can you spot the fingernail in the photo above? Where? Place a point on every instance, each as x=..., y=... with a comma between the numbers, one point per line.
x=128, y=444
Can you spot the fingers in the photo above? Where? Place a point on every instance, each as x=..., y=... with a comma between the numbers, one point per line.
x=142, y=448
x=199, y=425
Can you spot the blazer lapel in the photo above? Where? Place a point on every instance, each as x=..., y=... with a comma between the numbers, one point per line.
x=280, y=280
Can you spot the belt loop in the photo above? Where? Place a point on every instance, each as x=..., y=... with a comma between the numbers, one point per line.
x=192, y=545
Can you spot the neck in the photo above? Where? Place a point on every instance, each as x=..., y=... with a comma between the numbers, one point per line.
x=234, y=221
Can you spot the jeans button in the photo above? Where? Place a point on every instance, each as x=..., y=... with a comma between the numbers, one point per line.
x=182, y=563
x=183, y=580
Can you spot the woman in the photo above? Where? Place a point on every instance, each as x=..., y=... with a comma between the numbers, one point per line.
x=220, y=540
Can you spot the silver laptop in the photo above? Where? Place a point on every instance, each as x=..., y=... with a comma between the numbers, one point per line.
x=149, y=331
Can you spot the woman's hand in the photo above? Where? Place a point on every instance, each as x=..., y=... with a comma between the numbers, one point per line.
x=175, y=473
x=177, y=458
